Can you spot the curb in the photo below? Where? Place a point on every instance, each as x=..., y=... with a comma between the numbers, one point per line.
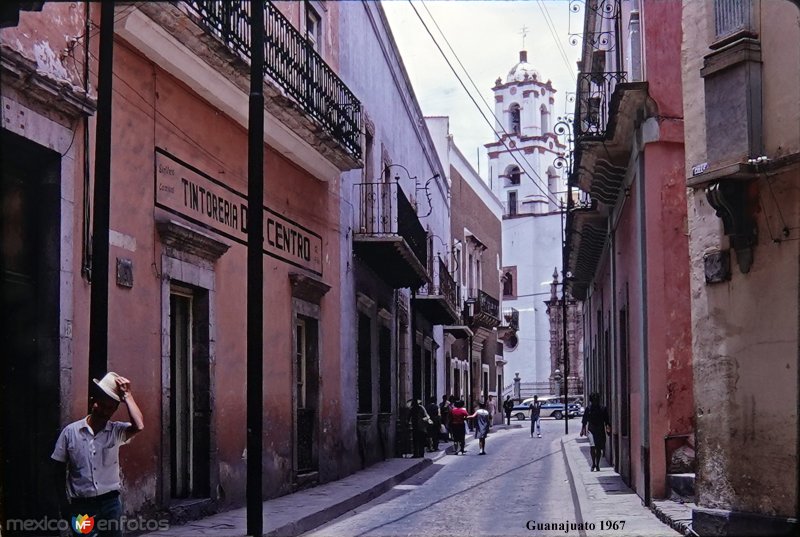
x=315, y=520
x=578, y=500
x=675, y=515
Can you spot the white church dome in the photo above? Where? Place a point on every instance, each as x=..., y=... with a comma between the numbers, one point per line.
x=523, y=70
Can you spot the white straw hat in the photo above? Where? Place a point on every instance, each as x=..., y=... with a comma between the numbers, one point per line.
x=109, y=385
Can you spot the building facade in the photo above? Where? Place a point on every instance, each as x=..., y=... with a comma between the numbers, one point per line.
x=742, y=107
x=626, y=244
x=397, y=211
x=178, y=229
x=357, y=254
x=474, y=363
x=523, y=176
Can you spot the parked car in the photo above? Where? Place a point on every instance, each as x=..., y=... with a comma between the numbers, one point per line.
x=549, y=409
x=521, y=412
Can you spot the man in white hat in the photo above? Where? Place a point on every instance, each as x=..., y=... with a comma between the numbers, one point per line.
x=87, y=455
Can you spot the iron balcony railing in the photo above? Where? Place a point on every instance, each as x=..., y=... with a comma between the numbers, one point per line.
x=511, y=318
x=292, y=62
x=384, y=210
x=442, y=284
x=482, y=303
x=592, y=102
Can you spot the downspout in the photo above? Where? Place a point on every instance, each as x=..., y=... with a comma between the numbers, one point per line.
x=645, y=449
x=86, y=255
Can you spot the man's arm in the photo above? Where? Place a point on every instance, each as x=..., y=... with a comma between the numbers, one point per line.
x=60, y=484
x=137, y=420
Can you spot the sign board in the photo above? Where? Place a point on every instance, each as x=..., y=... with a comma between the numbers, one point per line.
x=699, y=168
x=199, y=198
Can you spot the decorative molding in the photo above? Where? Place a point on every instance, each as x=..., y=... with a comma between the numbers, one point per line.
x=365, y=303
x=307, y=287
x=181, y=237
x=21, y=73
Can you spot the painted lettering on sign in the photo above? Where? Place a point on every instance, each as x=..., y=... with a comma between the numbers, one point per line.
x=191, y=194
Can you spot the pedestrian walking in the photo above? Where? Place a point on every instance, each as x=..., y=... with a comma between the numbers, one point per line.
x=419, y=428
x=444, y=411
x=87, y=457
x=458, y=416
x=434, y=425
x=481, y=416
x=492, y=408
x=596, y=424
x=536, y=410
x=508, y=407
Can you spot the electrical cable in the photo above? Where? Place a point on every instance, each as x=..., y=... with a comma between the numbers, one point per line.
x=500, y=123
x=512, y=151
x=552, y=27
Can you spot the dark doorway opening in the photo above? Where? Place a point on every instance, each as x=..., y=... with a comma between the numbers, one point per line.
x=29, y=327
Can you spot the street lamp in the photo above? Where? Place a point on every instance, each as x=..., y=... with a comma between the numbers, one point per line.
x=563, y=129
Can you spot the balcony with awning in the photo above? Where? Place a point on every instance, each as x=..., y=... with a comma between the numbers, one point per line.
x=388, y=236
x=437, y=300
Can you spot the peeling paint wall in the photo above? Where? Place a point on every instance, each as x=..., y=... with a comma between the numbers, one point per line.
x=55, y=46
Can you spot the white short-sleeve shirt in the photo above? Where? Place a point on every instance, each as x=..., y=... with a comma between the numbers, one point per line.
x=92, y=460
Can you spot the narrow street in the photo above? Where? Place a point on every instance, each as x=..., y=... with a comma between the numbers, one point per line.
x=519, y=485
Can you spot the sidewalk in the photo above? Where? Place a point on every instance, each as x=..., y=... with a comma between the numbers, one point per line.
x=603, y=496
x=305, y=510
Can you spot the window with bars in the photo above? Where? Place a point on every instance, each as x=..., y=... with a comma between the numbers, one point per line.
x=313, y=27
x=731, y=16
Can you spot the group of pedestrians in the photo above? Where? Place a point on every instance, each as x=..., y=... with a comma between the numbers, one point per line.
x=446, y=421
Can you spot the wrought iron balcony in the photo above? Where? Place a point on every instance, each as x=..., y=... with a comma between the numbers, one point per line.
x=292, y=63
x=388, y=235
x=592, y=103
x=509, y=325
x=511, y=318
x=481, y=310
x=438, y=299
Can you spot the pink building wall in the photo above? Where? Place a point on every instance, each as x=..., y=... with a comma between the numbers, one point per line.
x=188, y=128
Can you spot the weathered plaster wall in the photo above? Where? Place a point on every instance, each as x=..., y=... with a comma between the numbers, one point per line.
x=746, y=329
x=53, y=46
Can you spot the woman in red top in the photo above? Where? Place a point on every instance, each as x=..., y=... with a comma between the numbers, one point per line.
x=457, y=417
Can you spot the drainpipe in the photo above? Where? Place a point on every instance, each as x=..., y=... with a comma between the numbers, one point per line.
x=645, y=422
x=98, y=315
x=86, y=262
x=255, y=274
x=469, y=377
x=414, y=371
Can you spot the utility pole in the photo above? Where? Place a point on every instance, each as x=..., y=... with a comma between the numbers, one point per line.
x=98, y=314
x=255, y=274
x=564, y=313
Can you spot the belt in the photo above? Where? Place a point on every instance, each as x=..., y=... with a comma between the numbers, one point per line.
x=95, y=499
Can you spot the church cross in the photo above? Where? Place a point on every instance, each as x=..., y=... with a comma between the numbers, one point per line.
x=524, y=32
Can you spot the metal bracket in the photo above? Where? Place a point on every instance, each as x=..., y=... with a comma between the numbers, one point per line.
x=735, y=203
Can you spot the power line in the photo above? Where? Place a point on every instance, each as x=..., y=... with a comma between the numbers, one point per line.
x=552, y=27
x=500, y=123
x=499, y=136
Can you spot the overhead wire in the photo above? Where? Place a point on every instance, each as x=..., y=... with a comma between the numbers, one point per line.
x=511, y=151
x=499, y=122
x=552, y=27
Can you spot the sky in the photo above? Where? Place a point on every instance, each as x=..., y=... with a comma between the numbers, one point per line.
x=486, y=37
